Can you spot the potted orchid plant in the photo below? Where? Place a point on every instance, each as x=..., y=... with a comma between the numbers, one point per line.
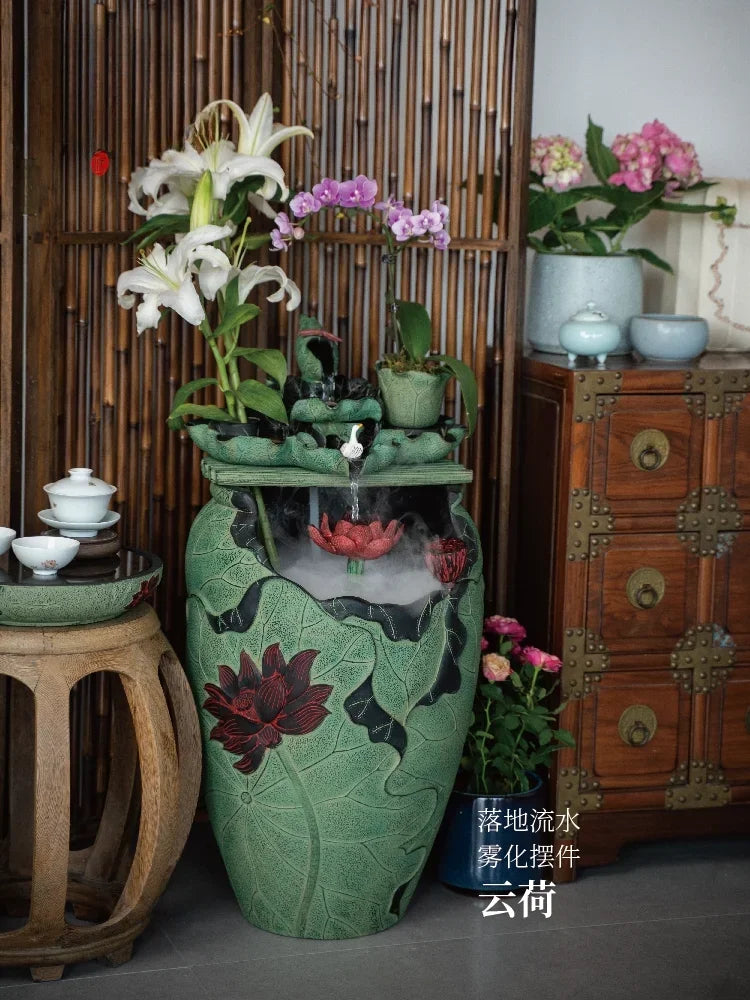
x=578, y=229
x=512, y=737
x=197, y=203
x=412, y=380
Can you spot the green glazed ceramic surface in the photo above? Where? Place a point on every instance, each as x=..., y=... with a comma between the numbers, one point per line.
x=412, y=399
x=25, y=600
x=301, y=450
x=325, y=812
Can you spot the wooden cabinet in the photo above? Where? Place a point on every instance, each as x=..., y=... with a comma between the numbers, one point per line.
x=634, y=567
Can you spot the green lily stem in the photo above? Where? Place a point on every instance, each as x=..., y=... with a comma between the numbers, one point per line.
x=234, y=375
x=221, y=368
x=265, y=529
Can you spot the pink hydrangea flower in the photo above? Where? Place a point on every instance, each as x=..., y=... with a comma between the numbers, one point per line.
x=558, y=160
x=327, y=192
x=359, y=193
x=304, y=203
x=496, y=668
x=441, y=240
x=655, y=153
x=541, y=660
x=511, y=628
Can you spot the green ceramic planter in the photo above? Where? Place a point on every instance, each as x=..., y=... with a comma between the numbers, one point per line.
x=412, y=399
x=332, y=729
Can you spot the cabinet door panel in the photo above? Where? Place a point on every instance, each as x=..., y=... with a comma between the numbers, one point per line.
x=735, y=454
x=642, y=593
x=647, y=455
x=731, y=594
x=729, y=733
x=635, y=729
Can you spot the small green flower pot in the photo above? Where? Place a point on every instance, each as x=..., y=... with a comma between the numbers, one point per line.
x=412, y=399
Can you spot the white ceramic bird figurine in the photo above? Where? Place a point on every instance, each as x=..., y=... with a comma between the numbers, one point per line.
x=352, y=449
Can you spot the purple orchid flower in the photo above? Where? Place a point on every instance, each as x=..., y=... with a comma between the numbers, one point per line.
x=441, y=209
x=431, y=221
x=441, y=240
x=277, y=240
x=283, y=224
x=304, y=203
x=327, y=192
x=359, y=193
x=403, y=227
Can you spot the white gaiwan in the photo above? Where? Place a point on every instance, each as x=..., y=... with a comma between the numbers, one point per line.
x=79, y=497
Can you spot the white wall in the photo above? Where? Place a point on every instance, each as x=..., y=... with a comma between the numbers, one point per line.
x=626, y=62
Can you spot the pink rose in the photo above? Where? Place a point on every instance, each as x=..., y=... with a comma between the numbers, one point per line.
x=484, y=645
x=495, y=667
x=541, y=660
x=509, y=627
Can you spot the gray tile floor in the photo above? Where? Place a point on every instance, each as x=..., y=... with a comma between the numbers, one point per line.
x=667, y=922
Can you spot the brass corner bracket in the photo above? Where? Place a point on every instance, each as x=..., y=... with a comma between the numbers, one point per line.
x=573, y=796
x=595, y=394
x=704, y=790
x=584, y=658
x=715, y=394
x=588, y=520
x=702, y=658
x=707, y=519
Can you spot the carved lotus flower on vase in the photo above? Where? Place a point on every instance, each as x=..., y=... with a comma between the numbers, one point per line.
x=255, y=709
x=446, y=558
x=356, y=539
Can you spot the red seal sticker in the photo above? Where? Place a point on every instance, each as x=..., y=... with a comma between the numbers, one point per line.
x=100, y=163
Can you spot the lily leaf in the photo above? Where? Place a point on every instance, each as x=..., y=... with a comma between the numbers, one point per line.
x=175, y=422
x=603, y=161
x=234, y=318
x=271, y=361
x=415, y=328
x=156, y=228
x=468, y=382
x=263, y=399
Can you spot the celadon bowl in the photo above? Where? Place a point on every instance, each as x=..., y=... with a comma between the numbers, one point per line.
x=6, y=537
x=664, y=337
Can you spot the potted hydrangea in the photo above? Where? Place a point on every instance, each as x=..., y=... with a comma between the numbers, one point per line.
x=412, y=380
x=578, y=230
x=495, y=821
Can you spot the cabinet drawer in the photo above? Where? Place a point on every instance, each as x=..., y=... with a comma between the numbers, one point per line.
x=647, y=455
x=635, y=729
x=642, y=592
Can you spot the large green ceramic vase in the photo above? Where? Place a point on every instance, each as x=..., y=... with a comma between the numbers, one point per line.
x=332, y=729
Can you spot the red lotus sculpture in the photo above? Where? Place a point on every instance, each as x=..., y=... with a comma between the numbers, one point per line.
x=255, y=710
x=356, y=539
x=446, y=558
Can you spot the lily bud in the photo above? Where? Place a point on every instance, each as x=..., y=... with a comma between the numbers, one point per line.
x=201, y=212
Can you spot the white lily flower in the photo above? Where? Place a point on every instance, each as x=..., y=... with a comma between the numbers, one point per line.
x=165, y=280
x=184, y=169
x=258, y=134
x=253, y=275
x=173, y=202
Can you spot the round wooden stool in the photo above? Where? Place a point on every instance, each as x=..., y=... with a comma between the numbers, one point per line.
x=155, y=732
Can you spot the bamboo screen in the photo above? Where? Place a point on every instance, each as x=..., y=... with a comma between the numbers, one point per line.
x=424, y=96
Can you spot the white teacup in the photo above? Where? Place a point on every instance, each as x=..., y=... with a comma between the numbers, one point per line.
x=45, y=554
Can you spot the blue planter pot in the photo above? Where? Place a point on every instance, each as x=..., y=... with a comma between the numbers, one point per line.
x=481, y=850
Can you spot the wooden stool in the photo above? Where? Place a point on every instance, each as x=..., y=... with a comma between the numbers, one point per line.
x=155, y=731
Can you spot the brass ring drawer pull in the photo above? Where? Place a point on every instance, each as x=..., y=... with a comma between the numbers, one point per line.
x=649, y=450
x=637, y=725
x=645, y=588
